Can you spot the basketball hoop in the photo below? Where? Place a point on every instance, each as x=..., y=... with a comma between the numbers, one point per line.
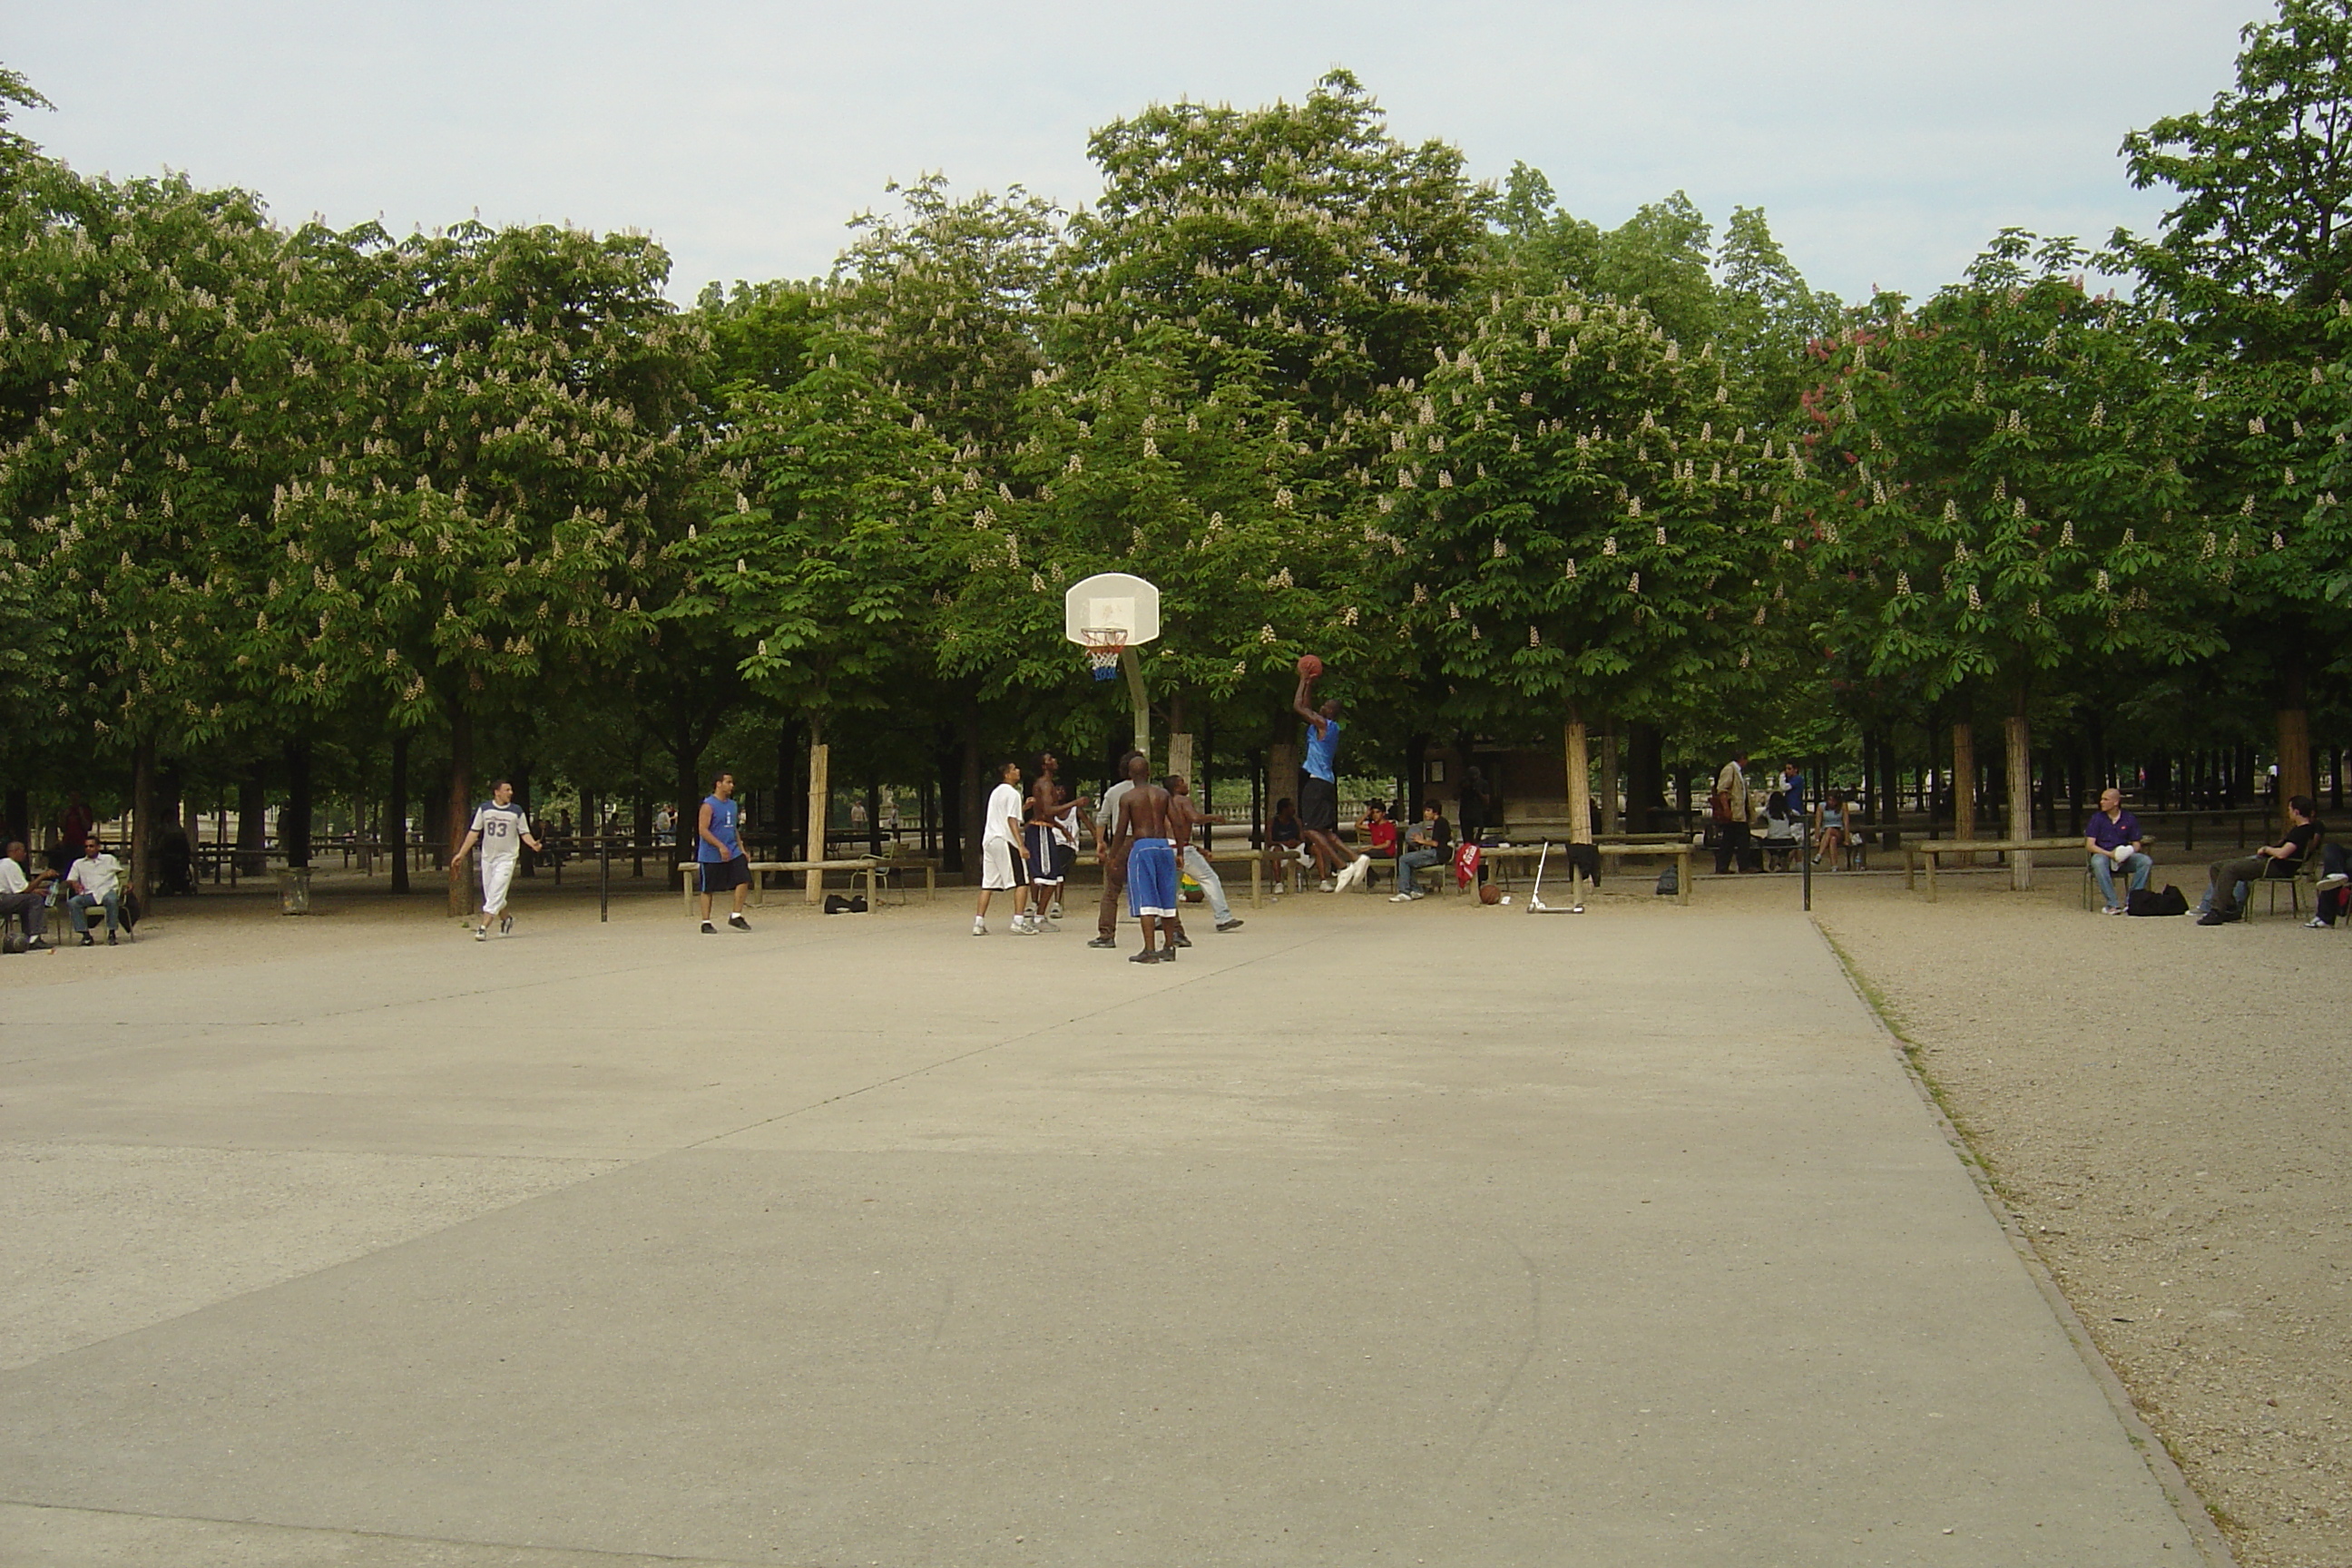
x=1103, y=646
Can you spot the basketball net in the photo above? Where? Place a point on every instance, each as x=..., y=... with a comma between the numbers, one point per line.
x=1104, y=645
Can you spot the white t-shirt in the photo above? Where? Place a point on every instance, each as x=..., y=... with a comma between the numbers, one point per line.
x=98, y=877
x=1107, y=818
x=1003, y=801
x=12, y=876
x=501, y=827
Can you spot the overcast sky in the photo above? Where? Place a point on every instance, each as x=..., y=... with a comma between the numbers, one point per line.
x=1887, y=141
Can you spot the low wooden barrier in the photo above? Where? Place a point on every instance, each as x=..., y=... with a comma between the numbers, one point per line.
x=1933, y=850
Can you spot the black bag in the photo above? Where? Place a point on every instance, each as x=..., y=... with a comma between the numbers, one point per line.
x=2147, y=902
x=834, y=904
x=1668, y=883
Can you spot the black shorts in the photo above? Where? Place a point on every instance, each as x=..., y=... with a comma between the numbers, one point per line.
x=723, y=876
x=1318, y=806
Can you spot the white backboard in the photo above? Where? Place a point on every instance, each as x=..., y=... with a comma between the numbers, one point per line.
x=1111, y=599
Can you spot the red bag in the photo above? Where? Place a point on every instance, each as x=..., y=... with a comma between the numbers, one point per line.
x=1465, y=865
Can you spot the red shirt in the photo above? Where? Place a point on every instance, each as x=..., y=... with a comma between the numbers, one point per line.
x=1384, y=838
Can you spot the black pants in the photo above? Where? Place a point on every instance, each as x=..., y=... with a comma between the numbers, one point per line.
x=2334, y=861
x=1730, y=847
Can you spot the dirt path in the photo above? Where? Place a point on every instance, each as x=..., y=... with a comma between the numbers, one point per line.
x=2168, y=1109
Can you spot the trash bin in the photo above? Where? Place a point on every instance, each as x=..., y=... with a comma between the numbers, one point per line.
x=294, y=890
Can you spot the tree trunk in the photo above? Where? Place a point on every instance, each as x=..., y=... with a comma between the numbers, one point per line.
x=1645, y=777
x=1579, y=781
x=252, y=824
x=1282, y=766
x=2018, y=736
x=820, y=803
x=2294, y=776
x=873, y=814
x=1609, y=826
x=1180, y=754
x=971, y=792
x=396, y=815
x=459, y=812
x=1964, y=783
x=686, y=759
x=143, y=821
x=294, y=822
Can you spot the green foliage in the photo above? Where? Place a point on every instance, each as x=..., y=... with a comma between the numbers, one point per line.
x=1990, y=491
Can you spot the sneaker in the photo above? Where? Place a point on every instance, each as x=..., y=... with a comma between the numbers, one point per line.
x=1329, y=885
x=1056, y=912
x=709, y=930
x=1024, y=926
x=2333, y=880
x=1400, y=898
x=2315, y=923
x=2214, y=917
x=737, y=923
x=506, y=925
x=482, y=934
x=1104, y=942
x=1357, y=870
x=1180, y=940
x=88, y=940
x=1146, y=956
x=1229, y=925
x=1168, y=954
x=109, y=939
x=36, y=945
x=2113, y=910
x=979, y=927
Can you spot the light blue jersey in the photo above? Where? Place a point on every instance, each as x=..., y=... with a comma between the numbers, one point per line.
x=1323, y=751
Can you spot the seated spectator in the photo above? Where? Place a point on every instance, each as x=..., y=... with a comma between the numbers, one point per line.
x=2117, y=844
x=96, y=883
x=1829, y=828
x=175, y=861
x=1378, y=832
x=2284, y=859
x=1426, y=843
x=1781, y=832
x=1285, y=838
x=26, y=895
x=2334, y=887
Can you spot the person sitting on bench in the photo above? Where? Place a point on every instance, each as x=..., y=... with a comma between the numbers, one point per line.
x=1426, y=844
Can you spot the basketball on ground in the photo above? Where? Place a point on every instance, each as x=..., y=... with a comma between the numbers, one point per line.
x=1490, y=893
x=1309, y=666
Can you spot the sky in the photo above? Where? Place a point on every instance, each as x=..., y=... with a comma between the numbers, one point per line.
x=1886, y=142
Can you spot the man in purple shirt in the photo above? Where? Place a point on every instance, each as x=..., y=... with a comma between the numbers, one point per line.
x=2114, y=841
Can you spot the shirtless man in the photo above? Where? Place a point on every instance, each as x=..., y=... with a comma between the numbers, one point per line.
x=1185, y=814
x=1051, y=847
x=1143, y=828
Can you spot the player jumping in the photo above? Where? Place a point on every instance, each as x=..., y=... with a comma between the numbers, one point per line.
x=1318, y=797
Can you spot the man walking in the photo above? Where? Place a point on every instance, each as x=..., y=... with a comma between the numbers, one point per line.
x=720, y=866
x=1731, y=809
x=25, y=894
x=1318, y=796
x=501, y=829
x=1150, y=861
x=1002, y=858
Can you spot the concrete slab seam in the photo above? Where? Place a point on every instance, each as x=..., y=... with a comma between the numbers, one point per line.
x=2169, y=1479
x=568, y=1552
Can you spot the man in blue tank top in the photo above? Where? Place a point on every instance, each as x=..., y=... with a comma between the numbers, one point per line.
x=1318, y=794
x=718, y=853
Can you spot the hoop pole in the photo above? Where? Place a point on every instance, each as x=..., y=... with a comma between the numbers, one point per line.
x=1135, y=694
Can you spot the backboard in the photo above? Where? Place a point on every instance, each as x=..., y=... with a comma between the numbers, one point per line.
x=1111, y=601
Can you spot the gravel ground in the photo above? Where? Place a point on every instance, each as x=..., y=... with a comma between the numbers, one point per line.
x=2165, y=1108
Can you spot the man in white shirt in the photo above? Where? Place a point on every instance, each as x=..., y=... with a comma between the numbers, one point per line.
x=97, y=882
x=1003, y=861
x=501, y=829
x=24, y=895
x=1110, y=853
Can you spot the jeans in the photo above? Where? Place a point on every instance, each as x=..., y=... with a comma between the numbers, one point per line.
x=1411, y=862
x=78, y=910
x=2103, y=869
x=1198, y=864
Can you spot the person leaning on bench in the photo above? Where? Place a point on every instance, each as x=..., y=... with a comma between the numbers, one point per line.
x=2284, y=859
x=2117, y=844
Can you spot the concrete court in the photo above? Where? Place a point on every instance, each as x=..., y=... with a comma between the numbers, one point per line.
x=1366, y=1234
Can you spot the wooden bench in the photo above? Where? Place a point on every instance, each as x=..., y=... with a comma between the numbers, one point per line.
x=1933, y=850
x=864, y=864
x=1670, y=845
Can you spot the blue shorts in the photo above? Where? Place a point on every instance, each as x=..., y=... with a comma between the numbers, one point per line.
x=1151, y=878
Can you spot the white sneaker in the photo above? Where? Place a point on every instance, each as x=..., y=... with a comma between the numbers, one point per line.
x=1328, y=885
x=2315, y=923
x=1400, y=898
x=2333, y=880
x=1056, y=912
x=1356, y=871
x=979, y=927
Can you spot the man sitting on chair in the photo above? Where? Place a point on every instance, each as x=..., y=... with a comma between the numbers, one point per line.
x=2117, y=844
x=2270, y=862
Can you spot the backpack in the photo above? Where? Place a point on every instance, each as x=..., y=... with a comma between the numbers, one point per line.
x=2147, y=902
x=1668, y=883
x=834, y=904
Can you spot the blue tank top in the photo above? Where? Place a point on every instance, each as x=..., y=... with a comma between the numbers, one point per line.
x=722, y=828
x=1323, y=751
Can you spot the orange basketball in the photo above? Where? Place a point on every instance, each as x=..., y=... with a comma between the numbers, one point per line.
x=1490, y=893
x=1309, y=666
